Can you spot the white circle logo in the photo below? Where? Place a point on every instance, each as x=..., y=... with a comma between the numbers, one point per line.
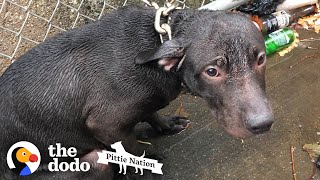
x=24, y=158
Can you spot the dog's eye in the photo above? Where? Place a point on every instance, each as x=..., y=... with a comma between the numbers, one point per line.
x=213, y=72
x=261, y=59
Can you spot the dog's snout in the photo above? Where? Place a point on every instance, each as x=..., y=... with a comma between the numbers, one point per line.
x=260, y=124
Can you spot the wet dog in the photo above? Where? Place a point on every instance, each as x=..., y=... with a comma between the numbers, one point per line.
x=88, y=87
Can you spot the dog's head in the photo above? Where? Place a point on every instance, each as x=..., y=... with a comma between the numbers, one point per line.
x=224, y=62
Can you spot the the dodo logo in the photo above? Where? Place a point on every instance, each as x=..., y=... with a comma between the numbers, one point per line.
x=23, y=158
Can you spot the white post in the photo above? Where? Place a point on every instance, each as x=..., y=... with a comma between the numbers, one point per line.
x=223, y=4
x=293, y=4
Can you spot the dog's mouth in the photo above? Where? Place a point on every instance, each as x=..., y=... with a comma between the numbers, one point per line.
x=232, y=126
x=240, y=128
x=241, y=133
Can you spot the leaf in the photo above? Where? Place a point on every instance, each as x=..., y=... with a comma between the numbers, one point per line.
x=181, y=111
x=311, y=22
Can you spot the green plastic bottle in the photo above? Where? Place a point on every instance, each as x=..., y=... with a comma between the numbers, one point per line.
x=278, y=40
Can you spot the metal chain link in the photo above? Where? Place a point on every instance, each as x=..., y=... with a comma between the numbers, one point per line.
x=165, y=11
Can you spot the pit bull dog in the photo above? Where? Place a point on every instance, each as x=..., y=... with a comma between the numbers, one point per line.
x=88, y=87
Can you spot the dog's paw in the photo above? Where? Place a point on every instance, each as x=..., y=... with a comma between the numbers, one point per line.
x=174, y=124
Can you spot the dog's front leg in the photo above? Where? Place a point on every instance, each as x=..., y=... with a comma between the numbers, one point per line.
x=106, y=127
x=109, y=127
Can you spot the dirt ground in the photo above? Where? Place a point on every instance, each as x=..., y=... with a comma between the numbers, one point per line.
x=204, y=151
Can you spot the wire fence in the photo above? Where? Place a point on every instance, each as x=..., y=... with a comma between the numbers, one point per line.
x=26, y=23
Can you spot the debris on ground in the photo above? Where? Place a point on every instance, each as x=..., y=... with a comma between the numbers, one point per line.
x=304, y=58
x=313, y=149
x=311, y=22
x=144, y=142
x=281, y=19
x=181, y=111
x=259, y=7
x=294, y=174
x=304, y=14
x=293, y=45
x=278, y=40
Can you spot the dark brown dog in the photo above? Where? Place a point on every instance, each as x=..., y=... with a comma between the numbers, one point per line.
x=88, y=87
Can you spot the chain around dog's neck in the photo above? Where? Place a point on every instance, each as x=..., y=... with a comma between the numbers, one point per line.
x=163, y=13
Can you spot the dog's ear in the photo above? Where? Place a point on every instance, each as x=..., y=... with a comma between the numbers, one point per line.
x=167, y=55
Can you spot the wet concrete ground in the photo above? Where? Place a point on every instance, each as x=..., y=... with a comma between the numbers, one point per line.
x=206, y=152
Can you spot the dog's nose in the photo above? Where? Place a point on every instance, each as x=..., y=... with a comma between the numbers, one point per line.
x=260, y=124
